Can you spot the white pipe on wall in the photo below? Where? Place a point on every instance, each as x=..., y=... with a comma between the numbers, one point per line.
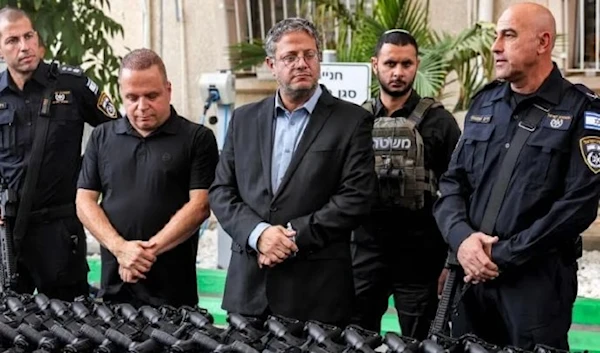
x=180, y=14
x=486, y=11
x=146, y=23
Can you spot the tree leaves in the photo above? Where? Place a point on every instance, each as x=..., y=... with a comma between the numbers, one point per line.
x=76, y=32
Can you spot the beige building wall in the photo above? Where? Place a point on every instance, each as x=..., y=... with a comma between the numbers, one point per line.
x=192, y=37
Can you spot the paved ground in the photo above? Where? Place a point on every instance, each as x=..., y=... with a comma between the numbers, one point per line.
x=591, y=237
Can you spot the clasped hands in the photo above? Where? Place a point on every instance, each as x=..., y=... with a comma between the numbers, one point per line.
x=274, y=245
x=135, y=259
x=475, y=256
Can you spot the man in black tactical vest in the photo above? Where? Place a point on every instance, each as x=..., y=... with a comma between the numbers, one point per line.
x=43, y=108
x=398, y=250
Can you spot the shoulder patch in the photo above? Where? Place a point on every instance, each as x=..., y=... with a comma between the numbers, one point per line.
x=106, y=106
x=71, y=70
x=591, y=95
x=92, y=86
x=590, y=151
x=591, y=120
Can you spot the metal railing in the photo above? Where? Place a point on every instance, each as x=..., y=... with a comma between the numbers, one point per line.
x=582, y=35
x=253, y=18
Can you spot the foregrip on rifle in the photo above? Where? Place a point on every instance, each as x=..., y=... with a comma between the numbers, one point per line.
x=147, y=346
x=9, y=333
x=42, y=342
x=238, y=347
x=103, y=343
x=73, y=344
x=174, y=344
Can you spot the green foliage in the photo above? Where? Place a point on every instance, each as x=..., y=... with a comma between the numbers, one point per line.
x=76, y=32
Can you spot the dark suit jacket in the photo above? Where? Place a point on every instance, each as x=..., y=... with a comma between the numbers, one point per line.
x=327, y=189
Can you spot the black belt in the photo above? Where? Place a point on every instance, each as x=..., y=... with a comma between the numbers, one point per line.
x=51, y=213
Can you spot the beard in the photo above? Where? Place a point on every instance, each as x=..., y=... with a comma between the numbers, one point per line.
x=299, y=93
x=395, y=93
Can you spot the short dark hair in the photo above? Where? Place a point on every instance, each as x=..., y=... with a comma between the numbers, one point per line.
x=397, y=37
x=142, y=59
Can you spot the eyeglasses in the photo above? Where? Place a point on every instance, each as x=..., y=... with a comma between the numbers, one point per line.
x=397, y=30
x=292, y=59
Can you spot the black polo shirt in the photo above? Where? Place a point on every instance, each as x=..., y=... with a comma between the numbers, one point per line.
x=76, y=100
x=144, y=182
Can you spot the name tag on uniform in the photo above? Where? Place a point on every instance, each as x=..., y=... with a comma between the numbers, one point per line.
x=557, y=121
x=62, y=97
x=481, y=119
x=592, y=121
x=3, y=105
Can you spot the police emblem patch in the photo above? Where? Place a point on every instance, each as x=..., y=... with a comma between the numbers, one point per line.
x=106, y=106
x=62, y=97
x=556, y=123
x=590, y=151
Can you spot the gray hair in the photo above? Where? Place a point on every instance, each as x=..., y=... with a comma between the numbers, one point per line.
x=286, y=26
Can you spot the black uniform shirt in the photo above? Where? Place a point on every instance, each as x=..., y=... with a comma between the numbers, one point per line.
x=554, y=189
x=75, y=100
x=144, y=182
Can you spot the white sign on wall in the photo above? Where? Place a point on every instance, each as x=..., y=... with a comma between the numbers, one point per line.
x=347, y=81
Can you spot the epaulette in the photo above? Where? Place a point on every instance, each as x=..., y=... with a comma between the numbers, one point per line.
x=488, y=86
x=71, y=70
x=591, y=95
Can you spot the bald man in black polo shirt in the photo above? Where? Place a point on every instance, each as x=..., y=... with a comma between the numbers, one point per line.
x=153, y=170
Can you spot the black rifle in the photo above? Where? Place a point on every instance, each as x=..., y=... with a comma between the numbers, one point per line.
x=202, y=320
x=38, y=319
x=249, y=330
x=285, y=335
x=474, y=344
x=361, y=340
x=400, y=344
x=447, y=302
x=13, y=337
x=8, y=214
x=155, y=319
x=323, y=338
x=123, y=333
x=90, y=328
x=450, y=344
x=199, y=342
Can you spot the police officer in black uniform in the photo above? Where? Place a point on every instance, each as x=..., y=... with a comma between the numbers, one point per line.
x=522, y=185
x=400, y=251
x=48, y=236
